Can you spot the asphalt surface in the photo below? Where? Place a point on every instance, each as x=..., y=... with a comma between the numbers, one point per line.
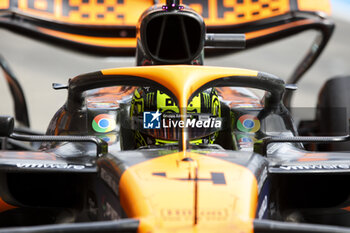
x=38, y=65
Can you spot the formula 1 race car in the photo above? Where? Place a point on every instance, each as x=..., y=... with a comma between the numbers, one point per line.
x=172, y=145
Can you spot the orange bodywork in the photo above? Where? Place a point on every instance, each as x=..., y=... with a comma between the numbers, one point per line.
x=123, y=15
x=310, y=5
x=235, y=98
x=183, y=80
x=119, y=42
x=108, y=95
x=308, y=157
x=245, y=12
x=90, y=40
x=4, y=4
x=127, y=12
x=200, y=193
x=268, y=31
x=162, y=193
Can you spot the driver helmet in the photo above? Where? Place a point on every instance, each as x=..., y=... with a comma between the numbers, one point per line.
x=205, y=105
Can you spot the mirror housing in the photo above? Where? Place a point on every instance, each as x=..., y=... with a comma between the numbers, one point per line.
x=225, y=40
x=6, y=126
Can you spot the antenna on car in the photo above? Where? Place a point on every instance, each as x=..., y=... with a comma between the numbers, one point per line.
x=172, y=4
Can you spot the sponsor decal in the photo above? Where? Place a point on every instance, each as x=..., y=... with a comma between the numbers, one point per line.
x=315, y=167
x=50, y=165
x=180, y=214
x=248, y=123
x=104, y=123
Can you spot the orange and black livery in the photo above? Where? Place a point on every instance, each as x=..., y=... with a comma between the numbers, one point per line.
x=234, y=161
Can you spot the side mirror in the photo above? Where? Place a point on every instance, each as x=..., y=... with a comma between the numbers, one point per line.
x=225, y=41
x=6, y=126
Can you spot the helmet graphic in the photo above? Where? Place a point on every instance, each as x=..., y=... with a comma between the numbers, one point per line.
x=155, y=117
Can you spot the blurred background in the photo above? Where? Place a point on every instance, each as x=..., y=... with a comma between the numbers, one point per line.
x=38, y=65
